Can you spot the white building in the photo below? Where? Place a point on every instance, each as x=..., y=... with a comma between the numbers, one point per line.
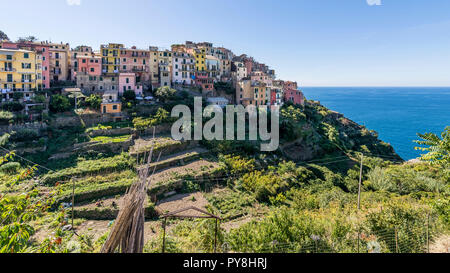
x=183, y=68
x=219, y=101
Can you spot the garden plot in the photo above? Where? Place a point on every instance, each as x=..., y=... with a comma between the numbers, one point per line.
x=234, y=207
x=107, y=209
x=178, y=159
x=97, y=228
x=173, y=178
x=181, y=201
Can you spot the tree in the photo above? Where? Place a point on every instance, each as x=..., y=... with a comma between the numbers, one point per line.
x=438, y=150
x=3, y=36
x=94, y=101
x=129, y=95
x=165, y=93
x=59, y=103
x=27, y=39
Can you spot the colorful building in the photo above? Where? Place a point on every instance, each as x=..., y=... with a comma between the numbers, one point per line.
x=92, y=65
x=41, y=49
x=111, y=103
x=111, y=58
x=136, y=61
x=262, y=93
x=203, y=80
x=59, y=62
x=183, y=68
x=154, y=66
x=127, y=81
x=295, y=96
x=212, y=67
x=199, y=56
x=244, y=92
x=20, y=71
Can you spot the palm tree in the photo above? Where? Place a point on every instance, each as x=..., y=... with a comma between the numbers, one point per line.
x=438, y=149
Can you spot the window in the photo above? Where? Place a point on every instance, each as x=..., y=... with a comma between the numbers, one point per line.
x=92, y=70
x=26, y=55
x=114, y=107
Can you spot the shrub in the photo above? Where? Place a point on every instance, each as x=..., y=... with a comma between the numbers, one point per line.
x=24, y=135
x=10, y=167
x=165, y=93
x=6, y=117
x=94, y=102
x=12, y=106
x=17, y=95
x=59, y=103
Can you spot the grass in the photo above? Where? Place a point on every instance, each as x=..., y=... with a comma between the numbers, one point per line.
x=110, y=139
x=110, y=125
x=91, y=167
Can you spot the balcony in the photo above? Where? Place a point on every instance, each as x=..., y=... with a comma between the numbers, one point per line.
x=8, y=69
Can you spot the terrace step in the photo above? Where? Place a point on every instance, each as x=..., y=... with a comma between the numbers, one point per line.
x=107, y=209
x=178, y=159
x=174, y=178
x=165, y=145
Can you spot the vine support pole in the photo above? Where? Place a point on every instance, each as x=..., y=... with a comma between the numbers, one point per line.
x=428, y=233
x=73, y=199
x=359, y=195
x=164, y=235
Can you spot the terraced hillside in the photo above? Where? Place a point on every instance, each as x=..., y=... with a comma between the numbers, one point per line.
x=301, y=198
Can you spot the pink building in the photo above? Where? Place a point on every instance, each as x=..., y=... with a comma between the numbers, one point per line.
x=287, y=85
x=133, y=60
x=202, y=79
x=127, y=81
x=91, y=65
x=294, y=95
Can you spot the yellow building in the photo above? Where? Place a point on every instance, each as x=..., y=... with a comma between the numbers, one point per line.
x=20, y=70
x=111, y=57
x=200, y=56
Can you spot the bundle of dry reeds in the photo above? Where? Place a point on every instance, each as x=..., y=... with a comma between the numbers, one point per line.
x=127, y=233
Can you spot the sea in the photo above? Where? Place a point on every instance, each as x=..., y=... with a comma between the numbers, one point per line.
x=398, y=114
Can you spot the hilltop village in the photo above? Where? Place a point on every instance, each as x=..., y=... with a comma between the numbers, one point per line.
x=78, y=126
x=29, y=68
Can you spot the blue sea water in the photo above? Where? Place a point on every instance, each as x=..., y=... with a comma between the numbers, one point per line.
x=397, y=114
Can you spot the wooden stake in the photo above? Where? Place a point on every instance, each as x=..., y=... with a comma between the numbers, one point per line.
x=73, y=200
x=360, y=182
x=428, y=233
x=396, y=240
x=164, y=236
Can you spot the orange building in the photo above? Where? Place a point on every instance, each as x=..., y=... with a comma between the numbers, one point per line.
x=111, y=103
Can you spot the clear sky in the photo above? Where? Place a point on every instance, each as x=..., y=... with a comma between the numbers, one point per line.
x=315, y=42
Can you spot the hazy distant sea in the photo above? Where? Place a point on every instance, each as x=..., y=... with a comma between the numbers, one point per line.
x=397, y=114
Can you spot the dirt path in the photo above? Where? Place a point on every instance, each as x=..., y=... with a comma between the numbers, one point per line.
x=181, y=201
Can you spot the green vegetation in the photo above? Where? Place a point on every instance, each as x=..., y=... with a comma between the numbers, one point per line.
x=302, y=198
x=165, y=93
x=161, y=116
x=6, y=117
x=110, y=139
x=90, y=167
x=93, y=101
x=59, y=104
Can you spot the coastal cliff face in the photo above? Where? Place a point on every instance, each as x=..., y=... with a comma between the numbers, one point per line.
x=313, y=131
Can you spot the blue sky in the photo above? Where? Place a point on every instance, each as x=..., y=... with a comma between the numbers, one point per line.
x=315, y=42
